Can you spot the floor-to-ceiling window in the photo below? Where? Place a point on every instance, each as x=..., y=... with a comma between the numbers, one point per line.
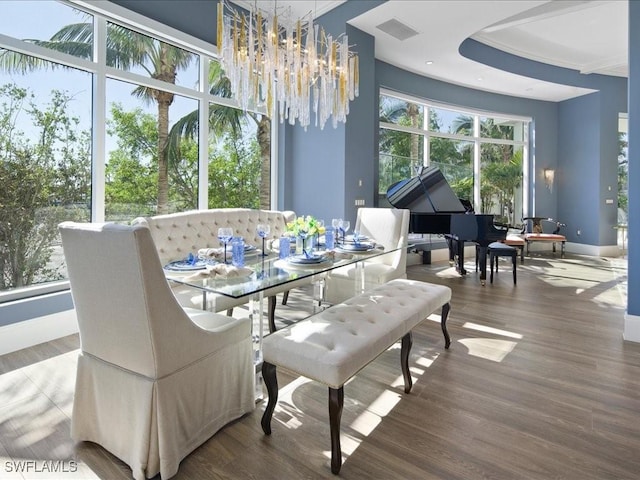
x=102, y=120
x=480, y=153
x=623, y=180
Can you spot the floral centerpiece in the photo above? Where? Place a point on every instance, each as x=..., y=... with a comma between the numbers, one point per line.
x=305, y=227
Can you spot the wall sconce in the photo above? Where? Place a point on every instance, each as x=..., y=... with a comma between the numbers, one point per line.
x=549, y=175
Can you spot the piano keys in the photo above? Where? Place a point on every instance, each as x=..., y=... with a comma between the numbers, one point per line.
x=436, y=209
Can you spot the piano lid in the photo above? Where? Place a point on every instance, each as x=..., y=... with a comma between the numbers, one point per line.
x=427, y=192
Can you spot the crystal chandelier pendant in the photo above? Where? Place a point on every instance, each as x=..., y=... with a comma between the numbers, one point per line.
x=292, y=69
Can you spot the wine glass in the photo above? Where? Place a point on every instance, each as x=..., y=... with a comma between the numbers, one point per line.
x=225, y=234
x=303, y=233
x=335, y=223
x=319, y=226
x=344, y=228
x=263, y=231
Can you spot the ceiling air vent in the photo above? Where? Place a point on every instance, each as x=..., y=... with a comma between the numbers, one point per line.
x=397, y=29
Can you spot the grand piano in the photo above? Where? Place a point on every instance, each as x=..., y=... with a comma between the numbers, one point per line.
x=436, y=209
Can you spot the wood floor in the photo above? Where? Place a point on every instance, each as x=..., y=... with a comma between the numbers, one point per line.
x=537, y=384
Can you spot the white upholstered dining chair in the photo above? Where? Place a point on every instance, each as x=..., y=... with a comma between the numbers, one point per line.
x=154, y=379
x=388, y=227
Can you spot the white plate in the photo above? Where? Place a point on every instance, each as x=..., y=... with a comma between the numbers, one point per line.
x=353, y=248
x=186, y=266
x=303, y=260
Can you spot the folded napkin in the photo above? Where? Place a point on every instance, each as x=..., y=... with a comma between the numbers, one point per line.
x=220, y=270
x=212, y=252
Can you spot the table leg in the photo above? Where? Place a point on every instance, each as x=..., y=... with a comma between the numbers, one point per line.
x=318, y=293
x=257, y=315
x=360, y=278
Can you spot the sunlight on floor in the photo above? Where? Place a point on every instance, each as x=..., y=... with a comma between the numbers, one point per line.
x=366, y=422
x=41, y=394
x=449, y=272
x=496, y=331
x=287, y=405
x=488, y=348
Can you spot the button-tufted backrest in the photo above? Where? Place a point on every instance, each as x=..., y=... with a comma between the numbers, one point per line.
x=178, y=234
x=389, y=227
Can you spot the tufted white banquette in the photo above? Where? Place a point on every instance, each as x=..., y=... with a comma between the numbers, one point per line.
x=178, y=234
x=332, y=346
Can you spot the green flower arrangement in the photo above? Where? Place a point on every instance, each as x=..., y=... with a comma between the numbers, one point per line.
x=305, y=224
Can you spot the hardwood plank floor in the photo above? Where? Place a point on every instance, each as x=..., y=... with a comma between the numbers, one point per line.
x=538, y=384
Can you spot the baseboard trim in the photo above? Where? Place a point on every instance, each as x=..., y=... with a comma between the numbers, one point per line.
x=592, y=250
x=631, y=328
x=28, y=333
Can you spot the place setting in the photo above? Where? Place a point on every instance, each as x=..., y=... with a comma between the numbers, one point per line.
x=226, y=261
x=356, y=242
x=196, y=267
x=307, y=259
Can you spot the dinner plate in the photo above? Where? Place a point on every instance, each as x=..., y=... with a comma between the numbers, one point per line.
x=187, y=266
x=304, y=260
x=361, y=247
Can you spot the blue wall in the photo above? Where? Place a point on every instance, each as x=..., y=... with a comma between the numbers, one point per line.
x=577, y=180
x=329, y=169
x=195, y=17
x=587, y=156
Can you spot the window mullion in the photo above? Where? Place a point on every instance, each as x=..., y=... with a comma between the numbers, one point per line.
x=99, y=109
x=203, y=136
x=476, y=161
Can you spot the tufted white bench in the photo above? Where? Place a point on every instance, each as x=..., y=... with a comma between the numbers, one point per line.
x=332, y=346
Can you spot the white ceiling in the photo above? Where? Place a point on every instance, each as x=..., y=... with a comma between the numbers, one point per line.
x=588, y=36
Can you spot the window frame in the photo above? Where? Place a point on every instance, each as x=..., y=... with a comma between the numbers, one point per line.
x=104, y=12
x=475, y=138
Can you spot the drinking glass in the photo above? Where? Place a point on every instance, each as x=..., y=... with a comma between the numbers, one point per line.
x=344, y=228
x=329, y=238
x=284, y=247
x=263, y=231
x=335, y=223
x=319, y=226
x=237, y=251
x=303, y=235
x=225, y=234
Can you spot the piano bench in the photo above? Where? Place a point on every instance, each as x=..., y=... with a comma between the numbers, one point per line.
x=546, y=237
x=516, y=241
x=498, y=249
x=332, y=346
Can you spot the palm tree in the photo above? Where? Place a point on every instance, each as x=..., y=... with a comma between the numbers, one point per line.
x=126, y=49
x=224, y=119
x=501, y=165
x=398, y=111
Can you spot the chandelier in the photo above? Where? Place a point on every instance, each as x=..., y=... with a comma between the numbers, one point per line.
x=293, y=68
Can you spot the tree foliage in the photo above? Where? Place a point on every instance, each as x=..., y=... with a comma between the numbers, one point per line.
x=45, y=179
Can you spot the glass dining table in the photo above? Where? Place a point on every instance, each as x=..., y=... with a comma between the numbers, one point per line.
x=268, y=274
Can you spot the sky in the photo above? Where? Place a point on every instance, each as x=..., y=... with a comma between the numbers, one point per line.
x=40, y=19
